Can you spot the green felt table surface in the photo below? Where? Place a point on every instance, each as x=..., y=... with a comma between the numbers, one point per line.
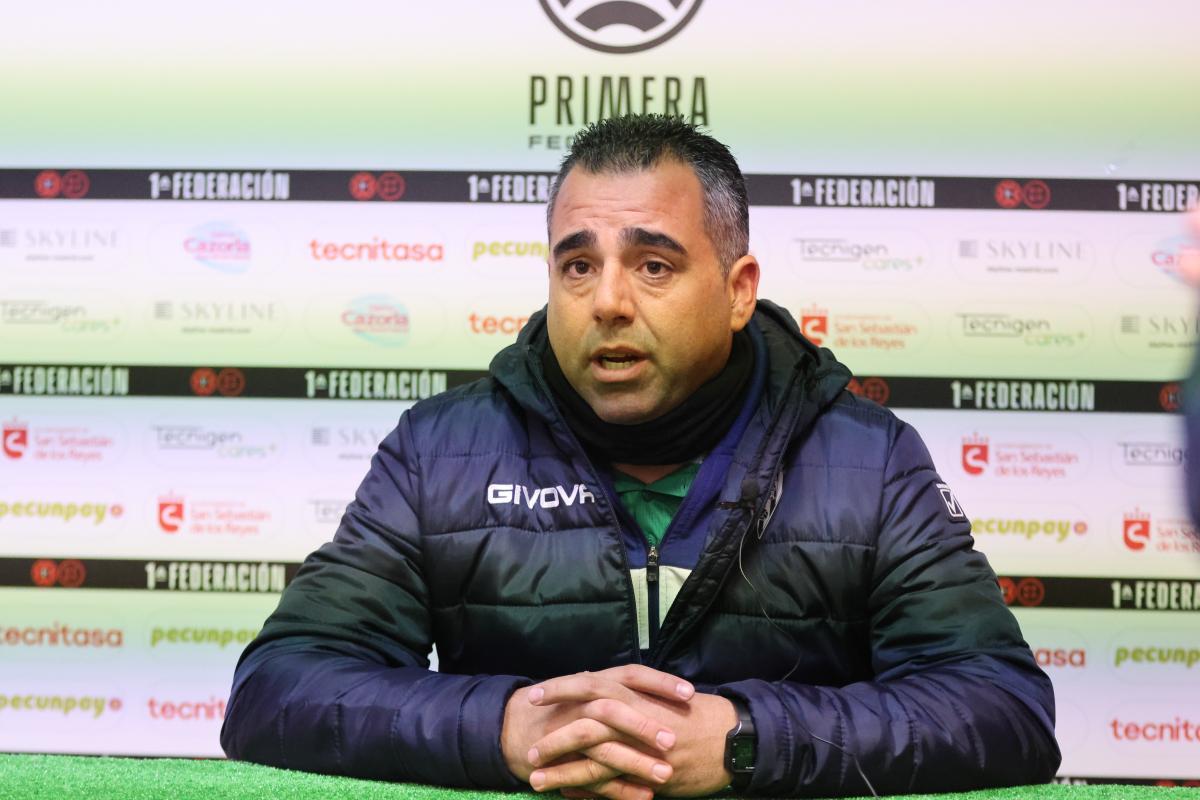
x=40, y=776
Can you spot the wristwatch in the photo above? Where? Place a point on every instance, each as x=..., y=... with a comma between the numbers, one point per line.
x=741, y=746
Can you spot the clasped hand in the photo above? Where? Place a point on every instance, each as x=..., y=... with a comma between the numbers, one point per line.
x=626, y=733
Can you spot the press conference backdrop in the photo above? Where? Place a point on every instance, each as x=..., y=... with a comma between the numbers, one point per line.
x=235, y=246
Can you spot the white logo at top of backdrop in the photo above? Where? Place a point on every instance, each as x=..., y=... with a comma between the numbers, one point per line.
x=620, y=26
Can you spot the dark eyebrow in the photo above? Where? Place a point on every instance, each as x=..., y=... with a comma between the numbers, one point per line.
x=643, y=238
x=574, y=241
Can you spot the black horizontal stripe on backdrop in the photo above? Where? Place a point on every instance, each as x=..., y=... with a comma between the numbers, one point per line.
x=258, y=577
x=1176, y=595
x=162, y=574
x=1001, y=193
x=218, y=380
x=1054, y=395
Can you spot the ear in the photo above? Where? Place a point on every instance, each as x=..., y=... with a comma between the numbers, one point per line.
x=742, y=287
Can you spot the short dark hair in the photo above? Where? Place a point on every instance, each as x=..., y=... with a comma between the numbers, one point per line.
x=639, y=142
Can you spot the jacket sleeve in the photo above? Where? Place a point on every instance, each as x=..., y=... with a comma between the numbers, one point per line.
x=338, y=681
x=957, y=701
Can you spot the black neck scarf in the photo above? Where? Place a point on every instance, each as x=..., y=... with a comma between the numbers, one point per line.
x=682, y=434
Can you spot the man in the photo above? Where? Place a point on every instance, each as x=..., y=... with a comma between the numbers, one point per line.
x=660, y=550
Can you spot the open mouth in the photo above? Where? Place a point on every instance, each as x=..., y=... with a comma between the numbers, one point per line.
x=617, y=361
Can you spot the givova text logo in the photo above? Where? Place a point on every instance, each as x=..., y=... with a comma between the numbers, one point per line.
x=547, y=497
x=620, y=26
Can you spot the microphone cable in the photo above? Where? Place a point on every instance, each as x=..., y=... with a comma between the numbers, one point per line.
x=748, y=501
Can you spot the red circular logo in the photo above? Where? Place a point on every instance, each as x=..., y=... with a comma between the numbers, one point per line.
x=363, y=186
x=1169, y=397
x=854, y=387
x=876, y=389
x=1008, y=589
x=75, y=184
x=391, y=186
x=1008, y=194
x=1031, y=592
x=1036, y=194
x=44, y=572
x=230, y=382
x=204, y=382
x=71, y=573
x=48, y=183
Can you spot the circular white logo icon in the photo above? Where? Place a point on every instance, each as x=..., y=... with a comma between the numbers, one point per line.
x=620, y=26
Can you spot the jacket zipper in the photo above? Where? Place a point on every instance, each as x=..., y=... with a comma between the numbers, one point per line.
x=615, y=517
x=652, y=593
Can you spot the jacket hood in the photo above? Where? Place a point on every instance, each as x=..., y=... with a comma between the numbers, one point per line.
x=518, y=367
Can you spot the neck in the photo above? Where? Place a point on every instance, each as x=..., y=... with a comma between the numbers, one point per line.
x=647, y=473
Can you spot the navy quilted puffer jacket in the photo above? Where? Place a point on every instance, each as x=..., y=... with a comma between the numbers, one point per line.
x=482, y=528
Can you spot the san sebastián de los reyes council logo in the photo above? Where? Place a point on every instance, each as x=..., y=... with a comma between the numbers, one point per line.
x=620, y=26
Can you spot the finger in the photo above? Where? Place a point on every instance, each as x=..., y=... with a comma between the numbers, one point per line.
x=610, y=760
x=577, y=772
x=631, y=762
x=602, y=721
x=584, y=686
x=651, y=681
x=619, y=789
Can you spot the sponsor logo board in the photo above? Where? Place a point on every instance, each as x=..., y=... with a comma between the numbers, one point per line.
x=1144, y=531
x=1022, y=258
x=345, y=441
x=1152, y=260
x=852, y=256
x=37, y=511
x=865, y=328
x=82, y=243
x=213, y=513
x=213, y=317
x=215, y=247
x=57, y=442
x=185, y=446
x=1022, y=331
x=1157, y=335
x=374, y=320
x=1155, y=656
x=508, y=250
x=374, y=250
x=1023, y=456
x=1142, y=460
x=45, y=317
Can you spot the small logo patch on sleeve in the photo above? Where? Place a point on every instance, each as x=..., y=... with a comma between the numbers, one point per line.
x=952, y=506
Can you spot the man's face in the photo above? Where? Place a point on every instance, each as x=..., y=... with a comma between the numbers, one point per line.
x=639, y=313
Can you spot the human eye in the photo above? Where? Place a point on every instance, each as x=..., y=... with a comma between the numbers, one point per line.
x=657, y=269
x=575, y=268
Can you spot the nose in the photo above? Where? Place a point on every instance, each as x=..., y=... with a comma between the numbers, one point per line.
x=613, y=298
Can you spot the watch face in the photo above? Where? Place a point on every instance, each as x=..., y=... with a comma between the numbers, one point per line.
x=743, y=752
